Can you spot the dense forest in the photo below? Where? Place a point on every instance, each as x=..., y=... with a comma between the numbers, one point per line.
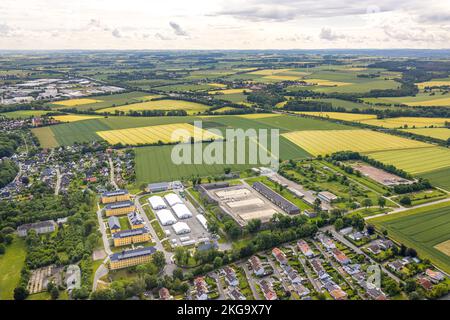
x=8, y=171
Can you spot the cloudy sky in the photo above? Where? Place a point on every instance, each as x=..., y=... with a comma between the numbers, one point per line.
x=224, y=24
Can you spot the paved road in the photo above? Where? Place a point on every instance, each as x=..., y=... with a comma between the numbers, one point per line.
x=251, y=282
x=100, y=273
x=341, y=238
x=58, y=181
x=103, y=231
x=405, y=209
x=170, y=265
x=111, y=173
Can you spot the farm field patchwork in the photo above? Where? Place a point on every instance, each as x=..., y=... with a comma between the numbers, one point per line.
x=422, y=229
x=410, y=122
x=416, y=161
x=165, y=105
x=340, y=115
x=74, y=117
x=437, y=133
x=165, y=133
x=329, y=141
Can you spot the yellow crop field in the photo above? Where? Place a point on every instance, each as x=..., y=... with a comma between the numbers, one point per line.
x=180, y=132
x=217, y=85
x=322, y=142
x=229, y=91
x=444, y=102
x=282, y=77
x=400, y=122
x=415, y=161
x=74, y=117
x=166, y=105
x=76, y=102
x=258, y=115
x=269, y=72
x=437, y=133
x=340, y=115
x=433, y=83
x=327, y=83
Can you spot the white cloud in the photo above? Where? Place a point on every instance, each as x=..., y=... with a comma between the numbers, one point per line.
x=177, y=29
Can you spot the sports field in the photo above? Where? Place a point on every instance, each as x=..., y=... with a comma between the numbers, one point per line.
x=340, y=115
x=181, y=132
x=410, y=122
x=166, y=105
x=437, y=133
x=329, y=141
x=74, y=117
x=76, y=102
x=416, y=161
x=422, y=229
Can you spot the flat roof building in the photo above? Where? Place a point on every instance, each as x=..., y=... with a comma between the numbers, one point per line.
x=201, y=218
x=157, y=203
x=326, y=196
x=39, y=227
x=181, y=228
x=173, y=199
x=181, y=211
x=166, y=217
x=157, y=187
x=275, y=198
x=131, y=258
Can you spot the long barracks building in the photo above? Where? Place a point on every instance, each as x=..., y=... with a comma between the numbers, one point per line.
x=119, y=208
x=115, y=196
x=275, y=198
x=126, y=237
x=131, y=258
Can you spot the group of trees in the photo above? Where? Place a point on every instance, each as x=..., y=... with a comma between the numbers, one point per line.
x=8, y=171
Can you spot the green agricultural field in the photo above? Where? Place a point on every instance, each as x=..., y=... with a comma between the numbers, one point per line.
x=439, y=178
x=184, y=87
x=421, y=229
x=422, y=99
x=415, y=161
x=11, y=264
x=22, y=114
x=109, y=101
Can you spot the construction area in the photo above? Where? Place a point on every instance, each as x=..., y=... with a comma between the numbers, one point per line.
x=380, y=176
x=242, y=203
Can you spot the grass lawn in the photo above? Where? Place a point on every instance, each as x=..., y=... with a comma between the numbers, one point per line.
x=11, y=264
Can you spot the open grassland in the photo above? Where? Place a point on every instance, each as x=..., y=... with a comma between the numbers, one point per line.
x=154, y=163
x=258, y=115
x=46, y=137
x=153, y=134
x=23, y=114
x=11, y=264
x=416, y=161
x=74, y=117
x=439, y=178
x=107, y=101
x=437, y=133
x=409, y=122
x=327, y=83
x=421, y=229
x=329, y=141
x=340, y=115
x=76, y=102
x=165, y=105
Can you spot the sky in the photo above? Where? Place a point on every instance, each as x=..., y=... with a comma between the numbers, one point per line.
x=224, y=24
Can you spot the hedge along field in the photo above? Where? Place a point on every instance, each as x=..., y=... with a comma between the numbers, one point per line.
x=329, y=141
x=105, y=101
x=166, y=105
x=421, y=229
x=416, y=161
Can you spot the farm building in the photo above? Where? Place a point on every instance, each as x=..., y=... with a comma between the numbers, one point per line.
x=166, y=217
x=119, y=208
x=39, y=227
x=115, y=196
x=181, y=228
x=326, y=196
x=131, y=258
x=136, y=221
x=173, y=199
x=114, y=224
x=157, y=203
x=274, y=197
x=126, y=237
x=181, y=211
x=201, y=218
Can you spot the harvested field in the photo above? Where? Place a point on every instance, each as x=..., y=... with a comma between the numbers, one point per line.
x=165, y=105
x=409, y=122
x=76, y=102
x=437, y=133
x=340, y=115
x=444, y=247
x=74, y=117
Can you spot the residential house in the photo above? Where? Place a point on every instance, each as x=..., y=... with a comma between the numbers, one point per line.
x=164, y=294
x=435, y=276
x=201, y=288
x=235, y=294
x=257, y=266
x=340, y=256
x=230, y=276
x=279, y=256
x=304, y=248
x=267, y=290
